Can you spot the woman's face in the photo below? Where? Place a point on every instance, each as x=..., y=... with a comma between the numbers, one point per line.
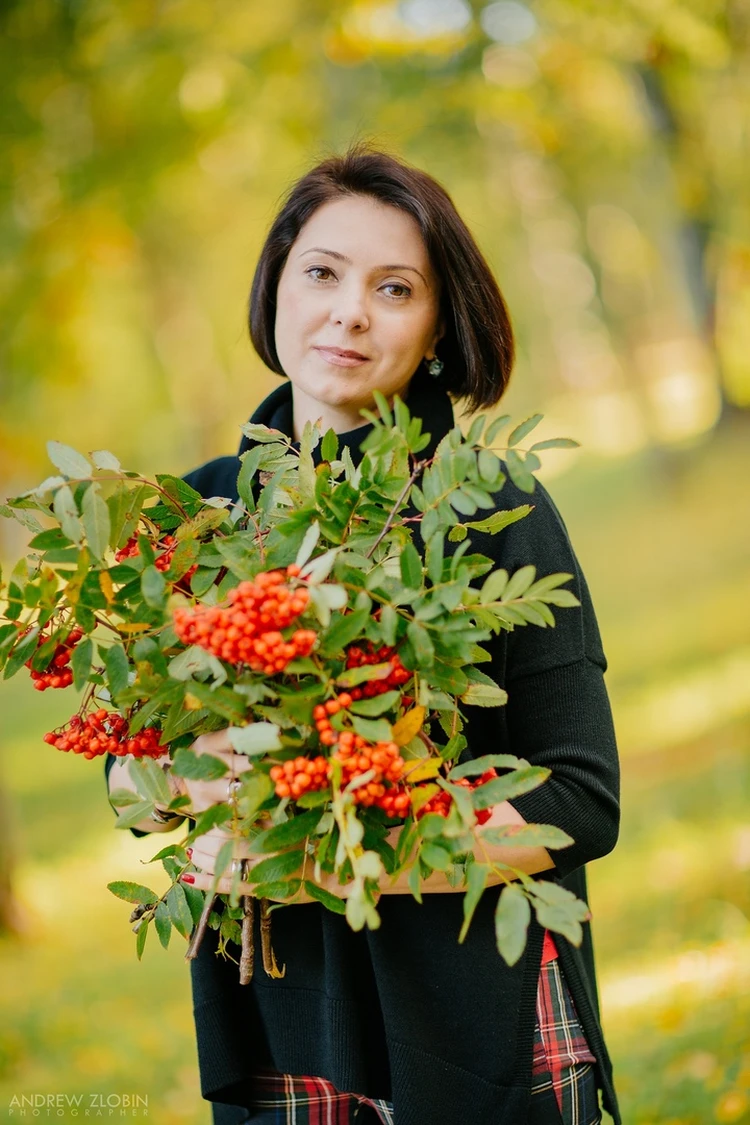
x=358, y=278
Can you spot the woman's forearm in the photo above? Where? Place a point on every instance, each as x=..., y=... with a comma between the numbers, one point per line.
x=530, y=860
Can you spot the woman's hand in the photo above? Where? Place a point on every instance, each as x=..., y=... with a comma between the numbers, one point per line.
x=203, y=855
x=203, y=793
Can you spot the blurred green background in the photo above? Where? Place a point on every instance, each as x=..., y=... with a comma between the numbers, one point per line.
x=599, y=152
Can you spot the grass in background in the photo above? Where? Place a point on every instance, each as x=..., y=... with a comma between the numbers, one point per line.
x=666, y=551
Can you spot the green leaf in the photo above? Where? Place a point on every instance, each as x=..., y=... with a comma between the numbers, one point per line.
x=435, y=856
x=559, y=910
x=510, y=785
x=103, y=459
x=376, y=705
x=21, y=653
x=122, y=798
x=134, y=815
x=498, y=520
x=330, y=901
x=519, y=583
x=343, y=630
x=80, y=662
x=179, y=910
x=476, y=881
x=555, y=443
x=424, y=649
x=197, y=767
x=475, y=767
x=329, y=446
x=528, y=836
x=118, y=669
x=524, y=428
x=140, y=940
x=276, y=867
x=47, y=540
x=374, y=730
x=308, y=544
x=411, y=567
x=66, y=510
x=518, y=472
x=195, y=900
x=354, y=676
x=288, y=834
x=153, y=586
x=163, y=924
x=96, y=522
x=484, y=695
x=221, y=700
x=493, y=586
x=495, y=427
x=254, y=739
x=133, y=892
x=68, y=460
x=512, y=918
x=415, y=883
x=150, y=780
x=278, y=889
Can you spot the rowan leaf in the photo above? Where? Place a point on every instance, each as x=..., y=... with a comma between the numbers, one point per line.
x=512, y=917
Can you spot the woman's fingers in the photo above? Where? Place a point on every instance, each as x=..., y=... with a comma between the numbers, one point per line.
x=213, y=742
x=203, y=793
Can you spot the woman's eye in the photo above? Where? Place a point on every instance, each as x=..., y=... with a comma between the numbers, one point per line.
x=405, y=290
x=318, y=269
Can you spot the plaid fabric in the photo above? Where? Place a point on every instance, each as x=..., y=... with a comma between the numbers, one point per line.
x=562, y=1059
x=562, y=1063
x=285, y=1099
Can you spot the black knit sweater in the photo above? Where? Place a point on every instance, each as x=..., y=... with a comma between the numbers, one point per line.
x=444, y=1031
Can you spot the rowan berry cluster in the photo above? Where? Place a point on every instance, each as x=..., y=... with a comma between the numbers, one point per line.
x=163, y=559
x=57, y=674
x=247, y=630
x=104, y=732
x=300, y=775
x=356, y=657
x=442, y=801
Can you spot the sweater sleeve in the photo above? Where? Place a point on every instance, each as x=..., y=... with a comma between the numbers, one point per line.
x=558, y=713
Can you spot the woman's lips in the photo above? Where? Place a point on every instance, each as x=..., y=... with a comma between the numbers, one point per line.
x=339, y=360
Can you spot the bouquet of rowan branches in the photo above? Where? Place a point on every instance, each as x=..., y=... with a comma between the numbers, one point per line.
x=302, y=618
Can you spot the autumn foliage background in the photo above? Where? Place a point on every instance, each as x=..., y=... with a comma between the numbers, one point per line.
x=598, y=151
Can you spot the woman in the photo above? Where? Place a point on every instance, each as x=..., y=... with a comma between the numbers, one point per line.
x=369, y=279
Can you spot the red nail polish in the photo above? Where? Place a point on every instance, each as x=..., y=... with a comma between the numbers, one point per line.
x=187, y=878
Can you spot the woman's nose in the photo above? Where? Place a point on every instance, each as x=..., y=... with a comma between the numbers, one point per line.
x=349, y=308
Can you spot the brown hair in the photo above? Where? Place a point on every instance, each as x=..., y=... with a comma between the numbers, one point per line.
x=477, y=349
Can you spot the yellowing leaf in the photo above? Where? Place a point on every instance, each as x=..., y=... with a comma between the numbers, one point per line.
x=191, y=702
x=106, y=586
x=421, y=772
x=421, y=796
x=408, y=726
x=133, y=627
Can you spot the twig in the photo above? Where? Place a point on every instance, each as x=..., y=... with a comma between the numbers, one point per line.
x=200, y=929
x=247, y=957
x=269, y=960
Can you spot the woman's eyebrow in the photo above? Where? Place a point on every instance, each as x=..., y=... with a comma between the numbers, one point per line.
x=343, y=258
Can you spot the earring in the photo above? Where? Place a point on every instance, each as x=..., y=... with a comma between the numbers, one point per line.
x=435, y=366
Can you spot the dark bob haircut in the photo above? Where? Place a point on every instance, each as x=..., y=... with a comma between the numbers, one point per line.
x=477, y=349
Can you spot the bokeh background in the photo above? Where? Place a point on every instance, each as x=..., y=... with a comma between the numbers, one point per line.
x=599, y=151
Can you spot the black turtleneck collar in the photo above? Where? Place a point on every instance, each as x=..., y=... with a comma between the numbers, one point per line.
x=425, y=400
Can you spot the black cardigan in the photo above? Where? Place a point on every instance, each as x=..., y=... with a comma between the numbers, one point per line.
x=445, y=1031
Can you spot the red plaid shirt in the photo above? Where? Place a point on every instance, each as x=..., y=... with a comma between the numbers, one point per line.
x=562, y=1062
